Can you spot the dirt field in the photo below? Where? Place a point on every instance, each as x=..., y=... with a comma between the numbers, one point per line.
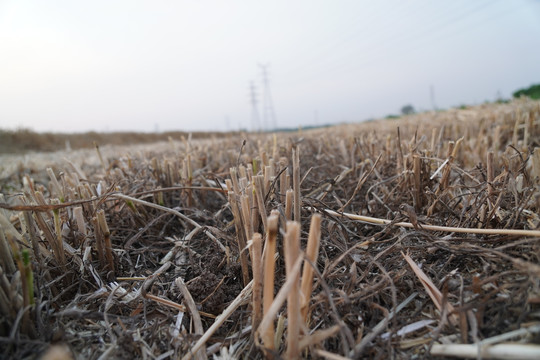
x=408, y=238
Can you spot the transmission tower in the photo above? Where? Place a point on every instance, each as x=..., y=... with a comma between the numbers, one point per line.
x=255, y=123
x=268, y=114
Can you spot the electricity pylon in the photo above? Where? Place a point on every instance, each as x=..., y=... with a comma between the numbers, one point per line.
x=255, y=123
x=268, y=113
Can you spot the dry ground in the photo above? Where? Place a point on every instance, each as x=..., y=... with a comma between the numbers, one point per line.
x=423, y=234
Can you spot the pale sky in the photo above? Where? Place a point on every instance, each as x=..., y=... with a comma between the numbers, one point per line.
x=70, y=66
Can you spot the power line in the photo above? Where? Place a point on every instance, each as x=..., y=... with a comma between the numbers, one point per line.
x=323, y=54
x=434, y=32
x=403, y=37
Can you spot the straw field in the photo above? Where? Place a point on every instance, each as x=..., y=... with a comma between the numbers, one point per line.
x=408, y=238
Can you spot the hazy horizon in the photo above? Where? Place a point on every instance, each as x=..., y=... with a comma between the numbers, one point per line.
x=187, y=66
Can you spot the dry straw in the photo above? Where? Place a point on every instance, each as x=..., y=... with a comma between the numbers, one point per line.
x=378, y=221
x=206, y=272
x=269, y=269
x=106, y=245
x=256, y=261
x=312, y=253
x=292, y=254
x=296, y=182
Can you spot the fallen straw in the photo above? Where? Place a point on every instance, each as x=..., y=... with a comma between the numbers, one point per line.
x=172, y=211
x=175, y=305
x=328, y=355
x=433, y=292
x=379, y=328
x=499, y=351
x=195, y=316
x=378, y=221
x=240, y=299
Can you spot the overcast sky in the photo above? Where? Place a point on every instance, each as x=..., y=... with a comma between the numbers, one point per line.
x=186, y=65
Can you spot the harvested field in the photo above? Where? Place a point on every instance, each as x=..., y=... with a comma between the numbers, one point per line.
x=409, y=238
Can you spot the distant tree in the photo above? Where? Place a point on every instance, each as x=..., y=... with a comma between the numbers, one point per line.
x=532, y=91
x=407, y=110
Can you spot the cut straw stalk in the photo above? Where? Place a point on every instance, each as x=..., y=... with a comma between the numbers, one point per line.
x=240, y=239
x=26, y=276
x=6, y=258
x=296, y=183
x=34, y=239
x=378, y=221
x=269, y=268
x=107, y=245
x=490, y=173
x=79, y=219
x=259, y=193
x=264, y=159
x=536, y=164
x=417, y=169
x=253, y=207
x=270, y=315
x=188, y=165
x=246, y=216
x=58, y=244
x=446, y=171
x=51, y=239
x=2, y=210
x=256, y=267
x=56, y=185
x=104, y=164
x=234, y=179
x=292, y=252
x=312, y=252
x=274, y=146
x=289, y=204
x=100, y=248
x=22, y=260
x=268, y=177
x=283, y=177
